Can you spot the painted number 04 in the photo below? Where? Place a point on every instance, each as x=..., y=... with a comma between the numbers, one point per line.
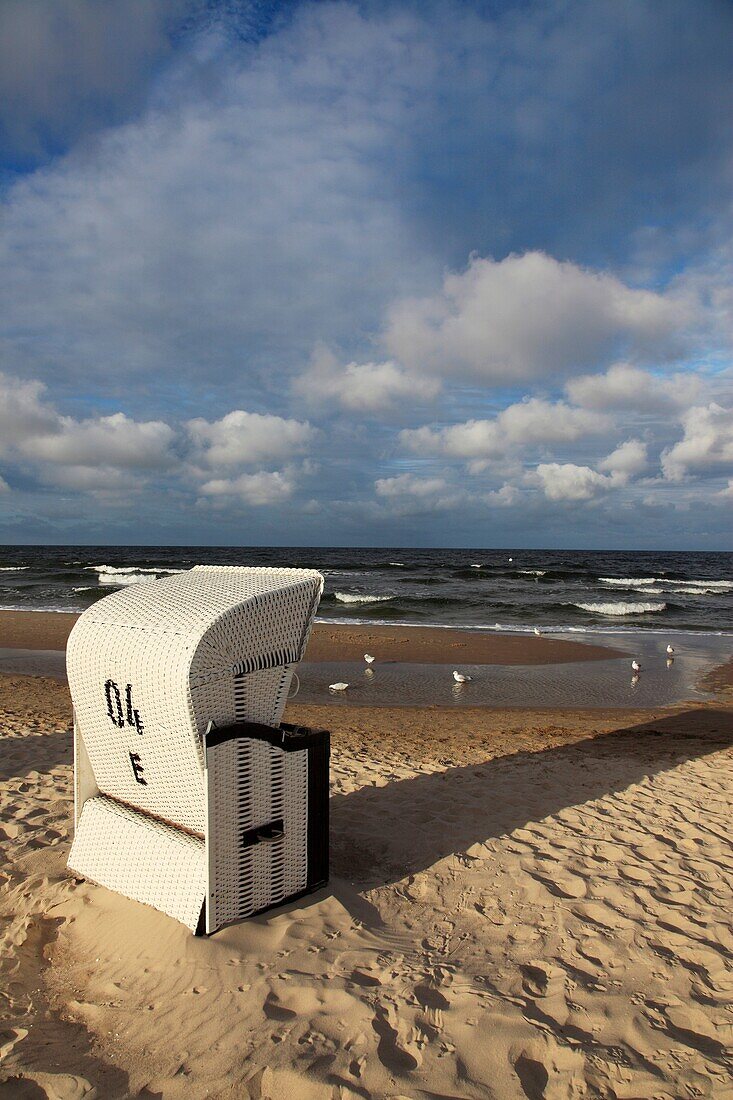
x=122, y=715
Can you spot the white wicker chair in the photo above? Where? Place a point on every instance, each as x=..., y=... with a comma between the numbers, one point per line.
x=189, y=796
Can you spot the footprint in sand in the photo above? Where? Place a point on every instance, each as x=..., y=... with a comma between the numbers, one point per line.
x=48, y=1086
x=397, y=1052
x=600, y=952
x=434, y=1004
x=275, y=1010
x=542, y=979
x=547, y=1071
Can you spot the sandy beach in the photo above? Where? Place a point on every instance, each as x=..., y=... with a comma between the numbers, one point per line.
x=524, y=903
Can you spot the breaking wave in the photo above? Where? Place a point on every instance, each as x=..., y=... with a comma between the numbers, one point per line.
x=714, y=586
x=620, y=608
x=126, y=577
x=683, y=585
x=350, y=597
x=698, y=590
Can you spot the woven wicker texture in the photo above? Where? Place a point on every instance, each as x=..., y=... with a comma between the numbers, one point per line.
x=151, y=665
x=143, y=859
x=252, y=783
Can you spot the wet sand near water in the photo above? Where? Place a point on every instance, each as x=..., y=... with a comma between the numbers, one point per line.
x=334, y=642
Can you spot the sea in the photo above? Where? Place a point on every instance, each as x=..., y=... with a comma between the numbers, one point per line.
x=562, y=591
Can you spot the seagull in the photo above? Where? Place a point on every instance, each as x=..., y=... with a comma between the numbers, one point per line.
x=511, y=559
x=636, y=666
x=460, y=677
x=670, y=651
x=368, y=658
x=538, y=632
x=340, y=686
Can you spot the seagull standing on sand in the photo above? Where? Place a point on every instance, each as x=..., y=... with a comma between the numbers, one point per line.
x=538, y=632
x=460, y=677
x=636, y=666
x=340, y=686
x=670, y=651
x=368, y=658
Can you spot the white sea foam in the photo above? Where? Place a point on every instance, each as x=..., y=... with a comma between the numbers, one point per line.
x=697, y=590
x=112, y=569
x=620, y=608
x=124, y=578
x=350, y=597
x=533, y=572
x=714, y=586
x=680, y=586
x=12, y=568
x=401, y=564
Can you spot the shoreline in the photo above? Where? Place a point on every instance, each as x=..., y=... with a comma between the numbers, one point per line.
x=412, y=666
x=49, y=630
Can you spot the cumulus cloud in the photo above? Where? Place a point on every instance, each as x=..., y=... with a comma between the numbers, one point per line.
x=406, y=493
x=361, y=386
x=505, y=497
x=706, y=447
x=77, y=454
x=624, y=386
x=245, y=438
x=531, y=421
x=530, y=316
x=109, y=441
x=628, y=460
x=410, y=484
x=24, y=411
x=105, y=454
x=566, y=481
x=262, y=488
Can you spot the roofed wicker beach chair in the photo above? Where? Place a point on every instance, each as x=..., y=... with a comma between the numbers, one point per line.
x=190, y=794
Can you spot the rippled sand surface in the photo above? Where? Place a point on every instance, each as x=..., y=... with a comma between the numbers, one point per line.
x=523, y=904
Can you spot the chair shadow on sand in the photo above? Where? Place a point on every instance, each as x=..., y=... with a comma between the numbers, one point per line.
x=383, y=834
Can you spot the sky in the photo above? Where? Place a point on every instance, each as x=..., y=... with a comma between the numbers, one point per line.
x=410, y=273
